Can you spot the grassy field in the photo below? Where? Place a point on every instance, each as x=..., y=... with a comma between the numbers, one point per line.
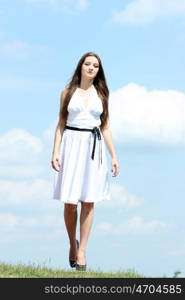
x=36, y=271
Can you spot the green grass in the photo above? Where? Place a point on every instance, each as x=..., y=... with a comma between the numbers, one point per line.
x=36, y=271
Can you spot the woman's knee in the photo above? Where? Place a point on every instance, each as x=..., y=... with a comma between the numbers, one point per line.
x=70, y=208
x=88, y=206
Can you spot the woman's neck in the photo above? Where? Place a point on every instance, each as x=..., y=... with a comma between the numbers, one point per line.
x=85, y=84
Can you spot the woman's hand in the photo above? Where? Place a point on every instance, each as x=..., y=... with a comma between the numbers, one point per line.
x=55, y=162
x=115, y=167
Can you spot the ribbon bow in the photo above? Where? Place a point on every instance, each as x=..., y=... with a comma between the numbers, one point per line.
x=96, y=133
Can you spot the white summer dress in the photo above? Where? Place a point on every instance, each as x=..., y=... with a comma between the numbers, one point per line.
x=81, y=178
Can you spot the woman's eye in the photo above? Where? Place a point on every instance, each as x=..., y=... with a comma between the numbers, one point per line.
x=87, y=64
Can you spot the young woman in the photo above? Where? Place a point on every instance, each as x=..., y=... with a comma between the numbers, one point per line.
x=79, y=151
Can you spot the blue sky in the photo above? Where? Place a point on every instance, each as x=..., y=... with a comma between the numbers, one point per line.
x=142, y=46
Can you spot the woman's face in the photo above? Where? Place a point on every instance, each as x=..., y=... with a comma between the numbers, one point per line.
x=90, y=67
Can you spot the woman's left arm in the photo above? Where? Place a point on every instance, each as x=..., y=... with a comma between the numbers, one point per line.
x=108, y=141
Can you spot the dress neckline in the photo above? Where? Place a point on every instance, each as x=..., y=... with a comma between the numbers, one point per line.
x=89, y=88
x=88, y=101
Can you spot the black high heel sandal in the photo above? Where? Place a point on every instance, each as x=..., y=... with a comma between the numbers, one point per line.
x=71, y=261
x=81, y=267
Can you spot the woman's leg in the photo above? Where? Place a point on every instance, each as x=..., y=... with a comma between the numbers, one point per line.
x=70, y=218
x=86, y=218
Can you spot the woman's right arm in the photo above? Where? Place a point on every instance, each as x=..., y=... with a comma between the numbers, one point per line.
x=58, y=138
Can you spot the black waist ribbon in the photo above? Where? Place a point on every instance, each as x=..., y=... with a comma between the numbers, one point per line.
x=96, y=133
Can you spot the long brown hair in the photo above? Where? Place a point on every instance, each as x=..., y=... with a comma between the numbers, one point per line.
x=100, y=85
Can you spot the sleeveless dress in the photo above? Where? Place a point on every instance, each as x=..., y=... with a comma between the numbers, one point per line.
x=81, y=178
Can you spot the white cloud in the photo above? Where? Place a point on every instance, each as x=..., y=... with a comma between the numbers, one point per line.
x=22, y=155
x=120, y=197
x=143, y=11
x=19, y=145
x=35, y=193
x=40, y=227
x=34, y=240
x=155, y=116
x=137, y=224
x=9, y=221
x=24, y=171
x=134, y=225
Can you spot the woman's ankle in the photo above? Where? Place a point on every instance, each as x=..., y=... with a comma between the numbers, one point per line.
x=73, y=243
x=81, y=252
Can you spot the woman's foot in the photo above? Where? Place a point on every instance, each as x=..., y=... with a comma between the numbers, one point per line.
x=73, y=254
x=81, y=261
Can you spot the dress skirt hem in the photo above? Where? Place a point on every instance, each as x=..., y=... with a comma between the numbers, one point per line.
x=85, y=201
